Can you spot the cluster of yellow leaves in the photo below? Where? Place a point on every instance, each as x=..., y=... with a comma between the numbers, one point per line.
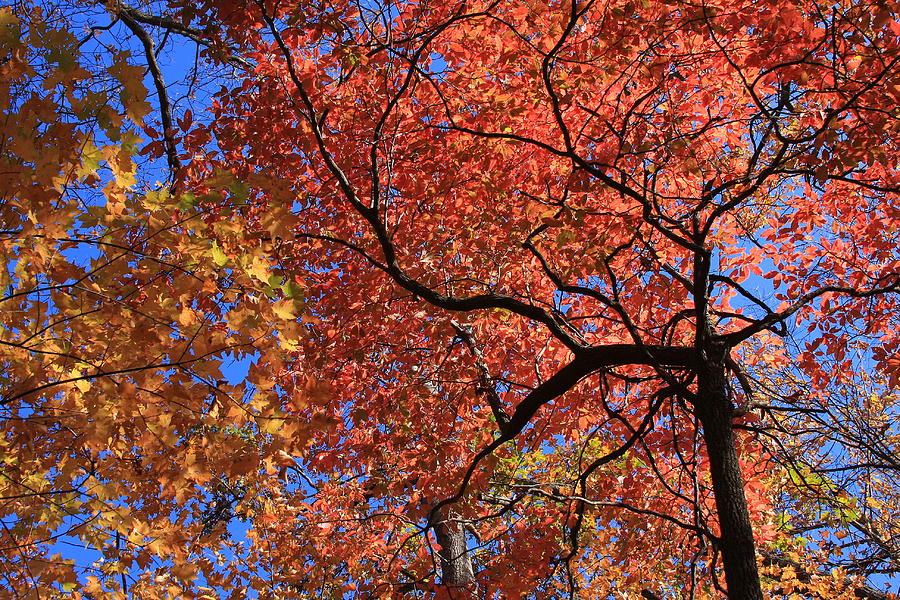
x=119, y=311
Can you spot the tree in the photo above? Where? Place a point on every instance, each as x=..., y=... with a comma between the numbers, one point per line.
x=118, y=422
x=541, y=278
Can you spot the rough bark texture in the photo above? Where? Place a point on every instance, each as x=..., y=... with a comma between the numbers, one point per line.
x=736, y=543
x=456, y=564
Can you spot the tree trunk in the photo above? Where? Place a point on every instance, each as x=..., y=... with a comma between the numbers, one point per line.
x=736, y=542
x=456, y=564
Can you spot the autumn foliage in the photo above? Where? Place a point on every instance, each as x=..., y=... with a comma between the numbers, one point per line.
x=459, y=299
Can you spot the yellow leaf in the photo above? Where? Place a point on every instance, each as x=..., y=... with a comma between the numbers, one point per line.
x=285, y=309
x=82, y=384
x=269, y=425
x=218, y=255
x=259, y=268
x=90, y=159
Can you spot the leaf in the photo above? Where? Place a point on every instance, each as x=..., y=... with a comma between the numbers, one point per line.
x=218, y=255
x=285, y=309
x=259, y=268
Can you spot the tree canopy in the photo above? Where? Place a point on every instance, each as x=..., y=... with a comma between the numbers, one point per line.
x=459, y=299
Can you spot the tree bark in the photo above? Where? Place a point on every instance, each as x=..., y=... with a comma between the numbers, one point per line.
x=456, y=563
x=736, y=538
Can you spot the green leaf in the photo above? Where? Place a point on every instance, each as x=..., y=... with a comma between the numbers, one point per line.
x=188, y=201
x=292, y=290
